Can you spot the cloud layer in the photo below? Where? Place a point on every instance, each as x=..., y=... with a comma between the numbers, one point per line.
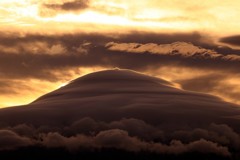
x=109, y=136
x=232, y=40
x=182, y=49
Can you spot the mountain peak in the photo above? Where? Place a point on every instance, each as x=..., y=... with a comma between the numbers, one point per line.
x=118, y=75
x=113, y=81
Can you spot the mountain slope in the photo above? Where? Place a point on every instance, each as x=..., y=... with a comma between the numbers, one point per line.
x=122, y=113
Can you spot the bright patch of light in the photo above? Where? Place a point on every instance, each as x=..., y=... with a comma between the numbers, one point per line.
x=89, y=17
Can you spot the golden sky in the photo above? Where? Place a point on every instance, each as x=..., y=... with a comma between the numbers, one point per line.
x=216, y=17
x=39, y=35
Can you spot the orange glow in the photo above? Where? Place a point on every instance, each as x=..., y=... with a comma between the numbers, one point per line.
x=24, y=96
x=157, y=15
x=37, y=88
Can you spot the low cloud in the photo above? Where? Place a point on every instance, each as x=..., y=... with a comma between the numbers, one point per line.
x=215, y=139
x=183, y=49
x=55, y=140
x=11, y=140
x=222, y=134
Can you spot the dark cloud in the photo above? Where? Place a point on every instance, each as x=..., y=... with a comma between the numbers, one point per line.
x=55, y=140
x=114, y=138
x=10, y=140
x=23, y=130
x=118, y=138
x=69, y=6
x=40, y=57
x=98, y=38
x=139, y=128
x=135, y=127
x=222, y=134
x=73, y=40
x=232, y=40
x=39, y=66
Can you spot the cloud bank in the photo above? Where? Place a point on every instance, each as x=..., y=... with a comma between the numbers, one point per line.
x=120, y=139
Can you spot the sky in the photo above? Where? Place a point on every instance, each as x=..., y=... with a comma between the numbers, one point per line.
x=46, y=43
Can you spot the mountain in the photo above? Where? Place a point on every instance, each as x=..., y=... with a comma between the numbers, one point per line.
x=114, y=94
x=138, y=108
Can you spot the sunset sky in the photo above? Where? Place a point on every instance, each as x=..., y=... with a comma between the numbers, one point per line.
x=46, y=43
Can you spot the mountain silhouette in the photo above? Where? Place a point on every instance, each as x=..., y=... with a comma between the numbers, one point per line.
x=121, y=114
x=115, y=94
